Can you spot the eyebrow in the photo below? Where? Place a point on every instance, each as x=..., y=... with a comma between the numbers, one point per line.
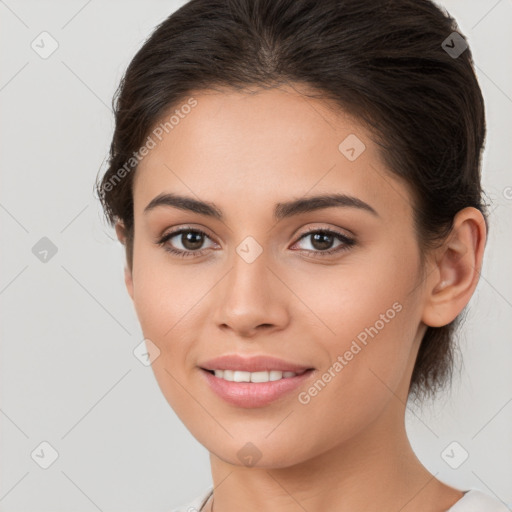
x=281, y=210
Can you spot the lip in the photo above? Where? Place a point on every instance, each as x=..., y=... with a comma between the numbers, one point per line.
x=252, y=364
x=254, y=394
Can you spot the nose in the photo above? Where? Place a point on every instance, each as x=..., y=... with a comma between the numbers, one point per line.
x=252, y=299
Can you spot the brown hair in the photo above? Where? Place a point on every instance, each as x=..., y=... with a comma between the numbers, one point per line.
x=396, y=65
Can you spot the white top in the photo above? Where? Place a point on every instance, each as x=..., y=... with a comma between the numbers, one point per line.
x=473, y=500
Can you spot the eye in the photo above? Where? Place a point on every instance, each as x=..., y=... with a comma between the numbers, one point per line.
x=190, y=239
x=322, y=240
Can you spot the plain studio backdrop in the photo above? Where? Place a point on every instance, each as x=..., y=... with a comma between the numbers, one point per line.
x=69, y=376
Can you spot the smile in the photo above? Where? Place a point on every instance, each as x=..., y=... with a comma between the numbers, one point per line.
x=254, y=389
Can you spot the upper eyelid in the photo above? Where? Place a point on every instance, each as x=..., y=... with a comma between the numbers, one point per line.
x=178, y=231
x=337, y=231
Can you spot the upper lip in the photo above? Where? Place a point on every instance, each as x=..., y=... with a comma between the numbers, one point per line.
x=252, y=364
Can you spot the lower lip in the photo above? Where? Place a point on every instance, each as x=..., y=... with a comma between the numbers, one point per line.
x=254, y=394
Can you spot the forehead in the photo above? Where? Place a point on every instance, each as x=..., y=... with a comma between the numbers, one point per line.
x=263, y=145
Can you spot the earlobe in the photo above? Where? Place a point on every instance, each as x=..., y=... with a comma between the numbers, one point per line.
x=453, y=280
x=120, y=232
x=128, y=280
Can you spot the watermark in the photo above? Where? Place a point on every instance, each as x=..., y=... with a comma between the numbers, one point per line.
x=454, y=45
x=358, y=343
x=44, y=250
x=249, y=249
x=44, y=455
x=149, y=144
x=351, y=147
x=454, y=455
x=249, y=454
x=44, y=45
x=146, y=352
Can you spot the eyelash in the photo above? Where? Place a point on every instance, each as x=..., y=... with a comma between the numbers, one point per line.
x=347, y=242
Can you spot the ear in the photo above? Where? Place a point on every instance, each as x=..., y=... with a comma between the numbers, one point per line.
x=454, y=275
x=128, y=279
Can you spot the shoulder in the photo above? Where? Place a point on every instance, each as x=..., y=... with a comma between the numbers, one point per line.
x=476, y=500
x=196, y=504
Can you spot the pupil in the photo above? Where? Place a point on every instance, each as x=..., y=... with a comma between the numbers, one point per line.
x=317, y=240
x=192, y=240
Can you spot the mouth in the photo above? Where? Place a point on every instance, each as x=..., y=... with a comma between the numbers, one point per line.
x=255, y=389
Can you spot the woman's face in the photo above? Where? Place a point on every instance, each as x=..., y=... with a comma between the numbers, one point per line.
x=257, y=284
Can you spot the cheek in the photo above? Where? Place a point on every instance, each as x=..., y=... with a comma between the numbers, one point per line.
x=362, y=292
x=368, y=316
x=169, y=301
x=163, y=292
x=366, y=362
x=164, y=300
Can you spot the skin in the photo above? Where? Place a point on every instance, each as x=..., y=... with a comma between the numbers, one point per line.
x=346, y=449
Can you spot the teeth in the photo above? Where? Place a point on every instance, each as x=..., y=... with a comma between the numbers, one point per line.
x=265, y=376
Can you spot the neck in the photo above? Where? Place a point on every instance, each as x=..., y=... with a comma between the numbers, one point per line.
x=377, y=469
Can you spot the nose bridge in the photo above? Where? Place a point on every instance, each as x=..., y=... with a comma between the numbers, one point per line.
x=249, y=277
x=250, y=294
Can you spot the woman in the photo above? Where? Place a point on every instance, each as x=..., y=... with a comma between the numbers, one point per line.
x=297, y=185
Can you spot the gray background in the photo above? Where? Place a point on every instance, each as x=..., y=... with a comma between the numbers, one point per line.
x=68, y=328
